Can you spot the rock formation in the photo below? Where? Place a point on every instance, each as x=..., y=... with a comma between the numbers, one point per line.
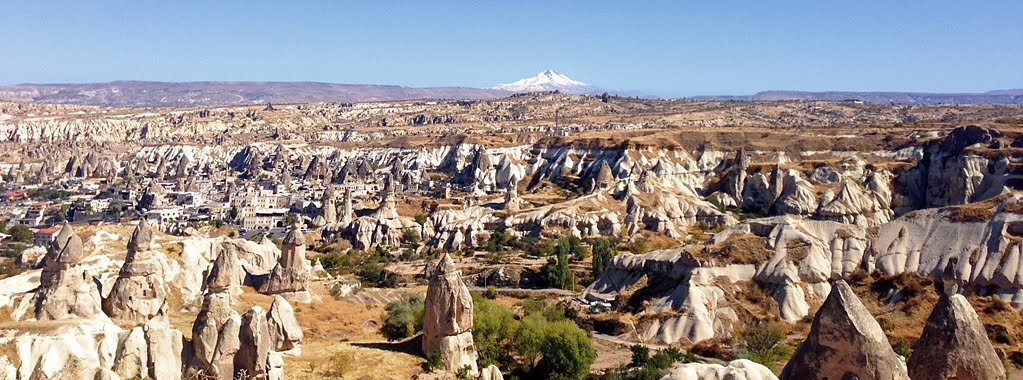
x=290, y=278
x=735, y=370
x=954, y=345
x=224, y=344
x=66, y=288
x=285, y=333
x=845, y=342
x=139, y=292
x=448, y=318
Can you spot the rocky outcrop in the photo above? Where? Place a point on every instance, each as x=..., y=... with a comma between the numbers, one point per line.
x=457, y=228
x=285, y=332
x=139, y=292
x=384, y=227
x=66, y=289
x=950, y=174
x=685, y=301
x=954, y=345
x=290, y=278
x=224, y=344
x=735, y=370
x=448, y=318
x=845, y=342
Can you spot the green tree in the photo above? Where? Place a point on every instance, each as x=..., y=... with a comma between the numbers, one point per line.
x=421, y=219
x=558, y=273
x=403, y=318
x=232, y=213
x=602, y=254
x=20, y=233
x=494, y=327
x=567, y=352
x=640, y=355
x=410, y=237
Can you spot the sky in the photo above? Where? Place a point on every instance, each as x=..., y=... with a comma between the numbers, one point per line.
x=665, y=48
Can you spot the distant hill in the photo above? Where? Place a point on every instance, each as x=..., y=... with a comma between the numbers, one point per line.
x=175, y=94
x=1012, y=96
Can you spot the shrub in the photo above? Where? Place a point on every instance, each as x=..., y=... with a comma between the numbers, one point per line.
x=403, y=318
x=433, y=361
x=640, y=355
x=490, y=293
x=567, y=352
x=410, y=237
x=638, y=246
x=764, y=343
x=421, y=219
x=340, y=363
x=463, y=373
x=902, y=347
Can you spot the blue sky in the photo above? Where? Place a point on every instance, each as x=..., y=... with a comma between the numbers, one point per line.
x=668, y=48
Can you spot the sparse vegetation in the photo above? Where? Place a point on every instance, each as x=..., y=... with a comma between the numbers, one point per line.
x=763, y=343
x=403, y=318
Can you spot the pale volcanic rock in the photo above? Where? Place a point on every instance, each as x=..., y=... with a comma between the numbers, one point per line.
x=66, y=287
x=139, y=292
x=456, y=228
x=845, y=342
x=285, y=332
x=290, y=278
x=741, y=369
x=252, y=358
x=448, y=318
x=954, y=345
x=491, y=372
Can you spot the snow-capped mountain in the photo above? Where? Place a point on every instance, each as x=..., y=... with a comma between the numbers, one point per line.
x=548, y=80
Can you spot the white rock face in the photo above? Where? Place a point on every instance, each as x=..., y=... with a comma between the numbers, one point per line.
x=448, y=318
x=695, y=304
x=735, y=370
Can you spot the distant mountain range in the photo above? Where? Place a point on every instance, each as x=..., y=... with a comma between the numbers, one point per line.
x=1011, y=96
x=178, y=94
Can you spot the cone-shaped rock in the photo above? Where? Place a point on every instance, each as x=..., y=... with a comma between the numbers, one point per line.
x=66, y=289
x=954, y=345
x=139, y=292
x=604, y=177
x=290, y=277
x=845, y=342
x=448, y=318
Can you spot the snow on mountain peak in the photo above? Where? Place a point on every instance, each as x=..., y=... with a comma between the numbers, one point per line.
x=547, y=80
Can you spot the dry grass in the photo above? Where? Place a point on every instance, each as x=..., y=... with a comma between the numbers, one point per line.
x=737, y=249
